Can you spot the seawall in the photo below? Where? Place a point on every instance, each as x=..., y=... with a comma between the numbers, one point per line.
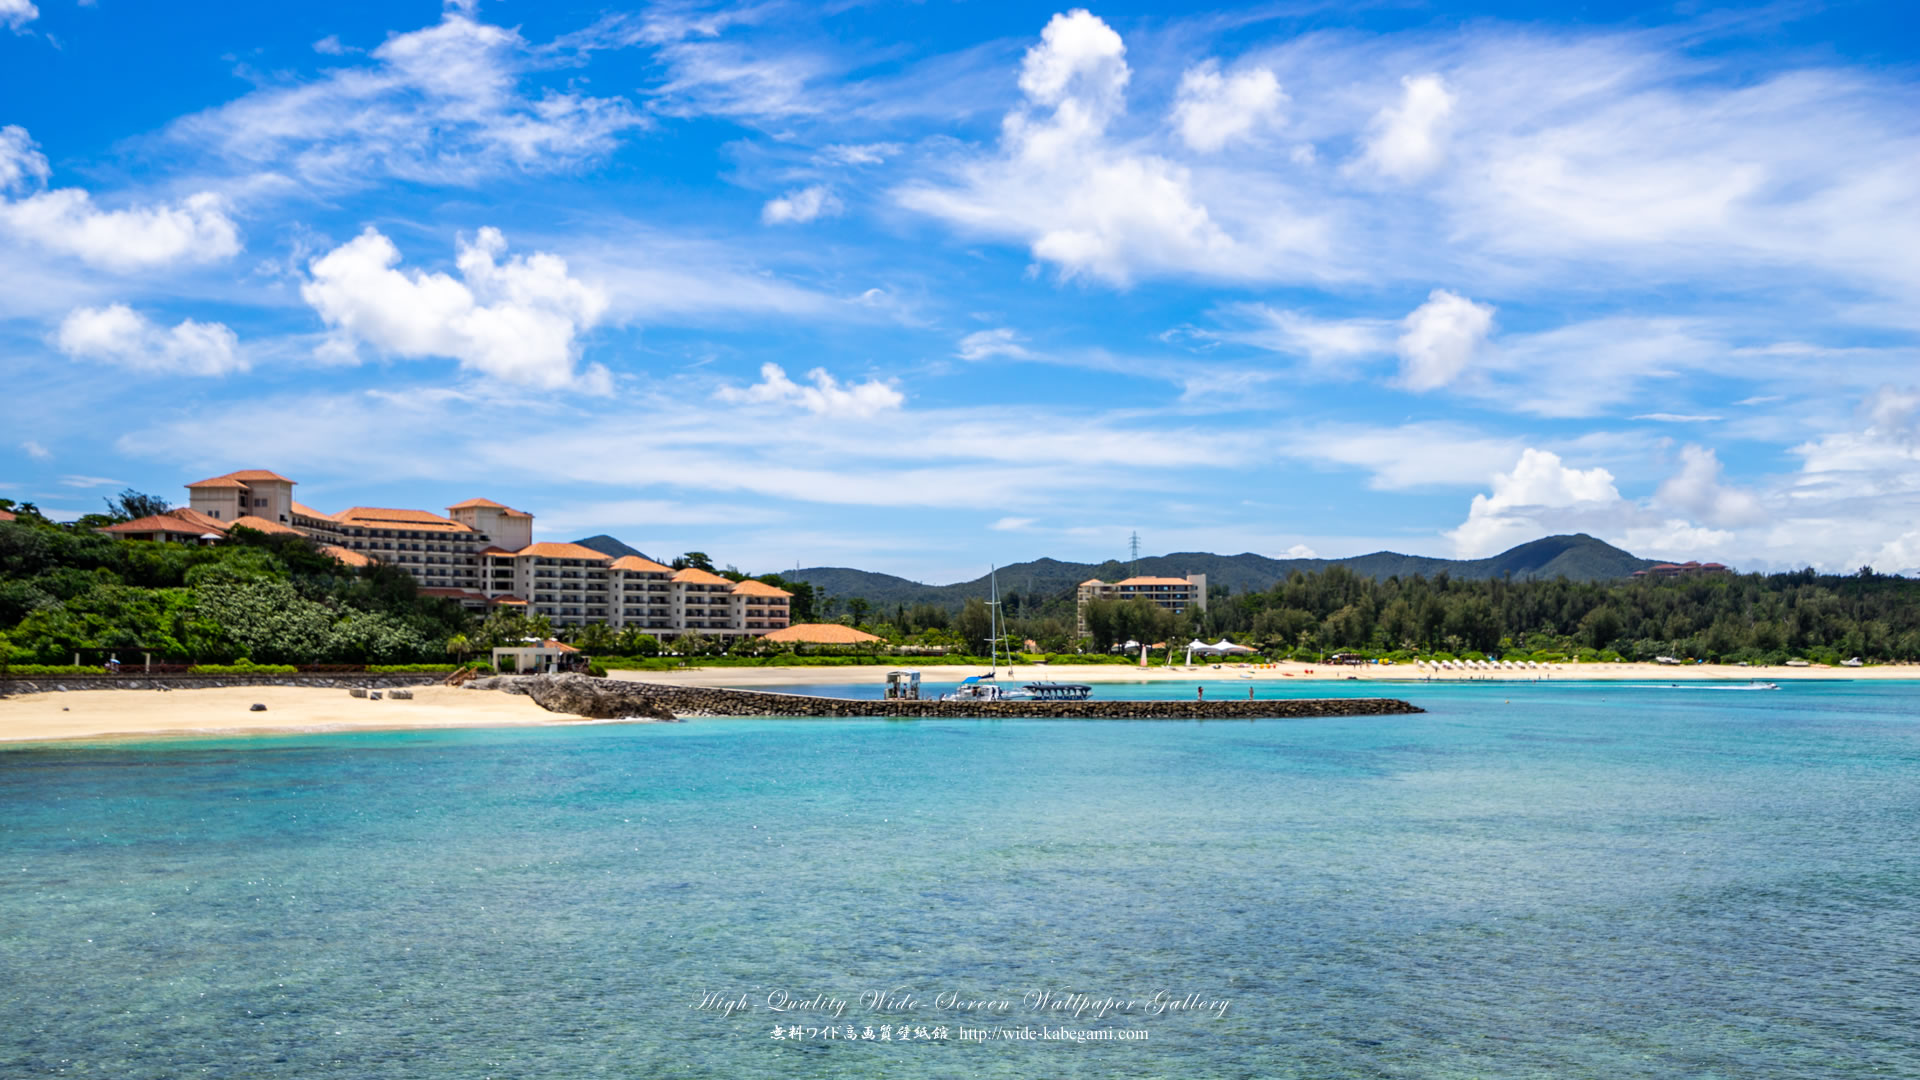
x=608, y=698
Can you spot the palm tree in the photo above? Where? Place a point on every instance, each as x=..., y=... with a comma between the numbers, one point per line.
x=459, y=647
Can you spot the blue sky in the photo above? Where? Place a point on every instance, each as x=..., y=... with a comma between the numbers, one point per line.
x=920, y=287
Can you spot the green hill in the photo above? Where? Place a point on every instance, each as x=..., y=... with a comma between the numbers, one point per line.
x=1578, y=558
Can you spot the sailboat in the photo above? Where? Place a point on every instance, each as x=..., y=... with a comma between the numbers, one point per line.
x=984, y=687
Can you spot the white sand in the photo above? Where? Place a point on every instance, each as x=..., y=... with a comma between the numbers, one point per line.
x=1289, y=671
x=103, y=714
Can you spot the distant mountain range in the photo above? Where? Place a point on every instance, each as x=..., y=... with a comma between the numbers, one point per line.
x=1579, y=557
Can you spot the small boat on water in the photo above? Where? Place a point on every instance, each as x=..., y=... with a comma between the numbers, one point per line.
x=1053, y=691
x=983, y=688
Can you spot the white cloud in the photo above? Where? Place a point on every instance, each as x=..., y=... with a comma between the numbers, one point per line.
x=1325, y=343
x=1511, y=514
x=1081, y=200
x=983, y=344
x=518, y=321
x=1696, y=490
x=1013, y=524
x=16, y=14
x=1211, y=110
x=438, y=105
x=118, y=335
x=1301, y=551
x=35, y=451
x=22, y=165
x=859, y=153
x=1442, y=338
x=89, y=481
x=802, y=206
x=1407, y=457
x=1409, y=140
x=1678, y=418
x=826, y=397
x=65, y=220
x=331, y=46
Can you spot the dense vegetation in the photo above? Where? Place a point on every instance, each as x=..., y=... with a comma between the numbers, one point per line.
x=266, y=599
x=1724, y=618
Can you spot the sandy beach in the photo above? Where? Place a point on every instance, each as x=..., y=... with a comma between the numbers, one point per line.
x=1289, y=672
x=108, y=714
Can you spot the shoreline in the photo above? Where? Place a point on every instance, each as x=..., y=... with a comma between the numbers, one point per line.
x=1286, y=672
x=130, y=715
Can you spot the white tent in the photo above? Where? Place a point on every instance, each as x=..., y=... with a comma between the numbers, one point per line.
x=1223, y=647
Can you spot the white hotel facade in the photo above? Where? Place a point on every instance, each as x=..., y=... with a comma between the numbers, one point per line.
x=483, y=555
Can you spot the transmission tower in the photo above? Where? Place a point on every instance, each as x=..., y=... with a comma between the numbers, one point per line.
x=1133, y=548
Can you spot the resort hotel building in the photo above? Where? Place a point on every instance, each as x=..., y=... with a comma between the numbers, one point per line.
x=1177, y=595
x=481, y=554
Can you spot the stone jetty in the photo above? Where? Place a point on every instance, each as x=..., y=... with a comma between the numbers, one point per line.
x=608, y=699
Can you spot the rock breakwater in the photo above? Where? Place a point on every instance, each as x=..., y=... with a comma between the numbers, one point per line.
x=584, y=695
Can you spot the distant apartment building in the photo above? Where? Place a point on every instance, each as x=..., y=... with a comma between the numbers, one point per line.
x=1178, y=595
x=481, y=554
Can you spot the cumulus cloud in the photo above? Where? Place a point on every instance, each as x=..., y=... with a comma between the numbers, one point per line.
x=1082, y=201
x=1696, y=490
x=983, y=344
x=66, y=221
x=16, y=14
x=826, y=397
x=1211, y=110
x=1409, y=140
x=121, y=336
x=518, y=321
x=802, y=206
x=36, y=451
x=1538, y=481
x=1442, y=337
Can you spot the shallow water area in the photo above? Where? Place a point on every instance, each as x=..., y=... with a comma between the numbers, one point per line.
x=1530, y=879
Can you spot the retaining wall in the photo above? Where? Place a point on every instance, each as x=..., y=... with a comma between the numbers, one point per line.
x=62, y=683
x=701, y=701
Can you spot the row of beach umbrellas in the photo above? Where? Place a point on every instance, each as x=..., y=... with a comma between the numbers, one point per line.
x=1487, y=665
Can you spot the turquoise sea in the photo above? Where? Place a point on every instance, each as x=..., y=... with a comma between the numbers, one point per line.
x=1532, y=880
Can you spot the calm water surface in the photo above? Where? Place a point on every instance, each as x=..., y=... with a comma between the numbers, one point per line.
x=1536, y=880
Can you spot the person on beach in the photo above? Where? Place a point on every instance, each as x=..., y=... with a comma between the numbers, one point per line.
x=1199, y=693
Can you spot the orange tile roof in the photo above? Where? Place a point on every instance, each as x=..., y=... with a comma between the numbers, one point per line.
x=170, y=522
x=494, y=549
x=692, y=576
x=508, y=511
x=308, y=511
x=194, y=517
x=821, y=634
x=551, y=550
x=258, y=474
x=635, y=562
x=379, y=517
x=471, y=503
x=218, y=482
x=512, y=601
x=751, y=587
x=1156, y=581
x=261, y=524
x=1091, y=581
x=552, y=643
x=7, y=515
x=345, y=555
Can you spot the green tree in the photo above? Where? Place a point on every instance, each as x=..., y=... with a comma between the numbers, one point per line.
x=858, y=608
x=973, y=626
